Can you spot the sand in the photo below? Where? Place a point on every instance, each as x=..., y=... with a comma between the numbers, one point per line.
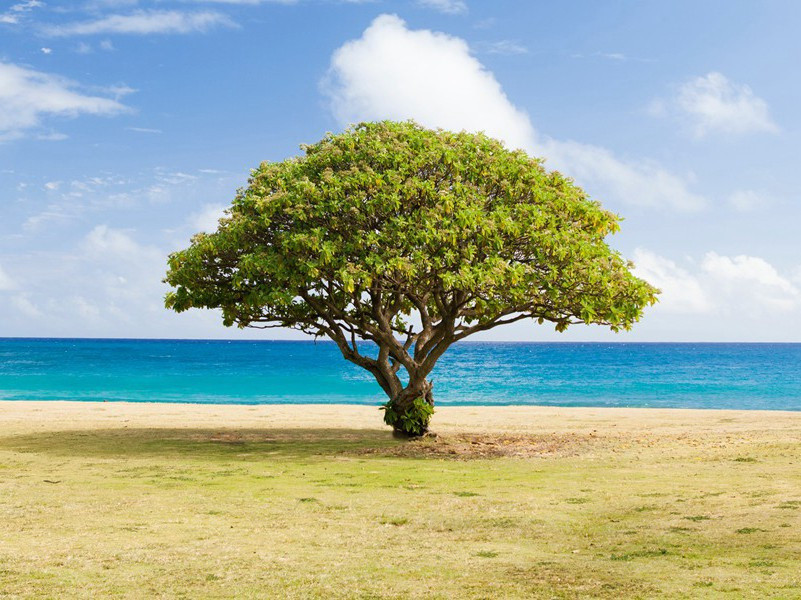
x=30, y=416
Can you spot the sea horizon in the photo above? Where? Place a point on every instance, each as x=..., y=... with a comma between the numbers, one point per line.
x=723, y=375
x=461, y=342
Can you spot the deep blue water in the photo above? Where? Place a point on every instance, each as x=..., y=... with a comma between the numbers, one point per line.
x=745, y=376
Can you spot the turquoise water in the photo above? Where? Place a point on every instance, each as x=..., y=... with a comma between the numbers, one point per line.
x=745, y=376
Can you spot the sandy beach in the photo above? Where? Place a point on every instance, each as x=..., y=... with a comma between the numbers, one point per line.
x=732, y=425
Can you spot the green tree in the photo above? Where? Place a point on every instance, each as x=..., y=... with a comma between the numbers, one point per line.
x=412, y=239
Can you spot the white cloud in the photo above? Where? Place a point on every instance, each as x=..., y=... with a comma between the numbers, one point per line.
x=509, y=47
x=27, y=95
x=16, y=11
x=681, y=291
x=208, y=218
x=93, y=258
x=637, y=182
x=715, y=104
x=53, y=136
x=255, y=2
x=748, y=200
x=144, y=130
x=110, y=243
x=449, y=7
x=107, y=282
x=392, y=72
x=754, y=282
x=24, y=306
x=6, y=283
x=747, y=287
x=144, y=22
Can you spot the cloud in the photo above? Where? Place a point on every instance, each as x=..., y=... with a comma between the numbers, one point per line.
x=255, y=2
x=208, y=218
x=27, y=95
x=22, y=303
x=144, y=22
x=91, y=259
x=753, y=281
x=110, y=243
x=449, y=7
x=681, y=291
x=16, y=11
x=714, y=104
x=749, y=200
x=392, y=72
x=6, y=283
x=508, y=47
x=638, y=182
x=144, y=130
x=742, y=285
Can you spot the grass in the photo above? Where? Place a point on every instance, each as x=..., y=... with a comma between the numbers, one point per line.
x=195, y=512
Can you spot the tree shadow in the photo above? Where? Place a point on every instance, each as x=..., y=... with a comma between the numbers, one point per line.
x=225, y=443
x=202, y=443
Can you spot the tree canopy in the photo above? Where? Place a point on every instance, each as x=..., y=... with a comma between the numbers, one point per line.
x=413, y=239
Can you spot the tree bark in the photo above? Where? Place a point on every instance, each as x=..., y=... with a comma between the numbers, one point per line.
x=403, y=402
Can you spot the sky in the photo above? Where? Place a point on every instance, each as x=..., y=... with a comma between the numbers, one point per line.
x=128, y=125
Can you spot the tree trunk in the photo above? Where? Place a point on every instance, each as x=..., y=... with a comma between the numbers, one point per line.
x=410, y=420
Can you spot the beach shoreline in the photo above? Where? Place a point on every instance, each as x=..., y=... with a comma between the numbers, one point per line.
x=52, y=415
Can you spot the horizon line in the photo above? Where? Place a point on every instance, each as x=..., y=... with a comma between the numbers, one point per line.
x=327, y=340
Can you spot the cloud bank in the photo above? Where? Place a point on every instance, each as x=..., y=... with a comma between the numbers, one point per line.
x=393, y=72
x=725, y=286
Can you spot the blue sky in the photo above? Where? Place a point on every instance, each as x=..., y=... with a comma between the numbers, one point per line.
x=127, y=125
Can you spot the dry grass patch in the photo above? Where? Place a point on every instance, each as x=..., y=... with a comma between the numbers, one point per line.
x=585, y=505
x=474, y=446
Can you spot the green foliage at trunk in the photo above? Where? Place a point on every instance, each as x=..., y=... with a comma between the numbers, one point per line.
x=412, y=419
x=413, y=239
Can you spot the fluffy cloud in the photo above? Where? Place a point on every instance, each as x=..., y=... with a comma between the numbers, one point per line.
x=392, y=72
x=89, y=254
x=27, y=95
x=681, y=291
x=715, y=104
x=636, y=182
x=755, y=283
x=144, y=22
x=208, y=218
x=742, y=286
x=107, y=282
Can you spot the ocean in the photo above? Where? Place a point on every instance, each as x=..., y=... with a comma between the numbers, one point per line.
x=736, y=376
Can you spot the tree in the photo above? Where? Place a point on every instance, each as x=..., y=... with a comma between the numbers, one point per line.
x=412, y=239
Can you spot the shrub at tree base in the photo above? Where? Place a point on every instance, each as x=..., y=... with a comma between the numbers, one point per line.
x=412, y=239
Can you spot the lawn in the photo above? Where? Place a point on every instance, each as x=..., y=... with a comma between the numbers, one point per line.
x=570, y=503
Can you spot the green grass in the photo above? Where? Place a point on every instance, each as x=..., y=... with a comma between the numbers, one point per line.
x=194, y=513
